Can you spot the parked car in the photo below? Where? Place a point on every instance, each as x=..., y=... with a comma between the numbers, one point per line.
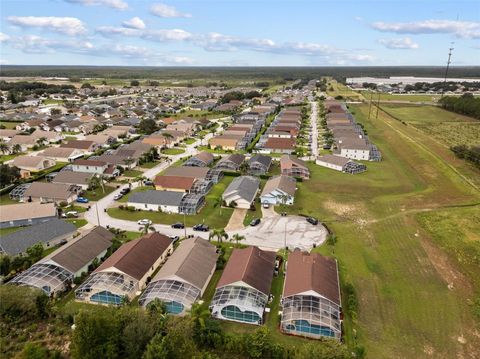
x=255, y=222
x=117, y=196
x=70, y=214
x=144, y=222
x=174, y=238
x=266, y=205
x=178, y=225
x=82, y=200
x=201, y=228
x=148, y=183
x=312, y=220
x=125, y=190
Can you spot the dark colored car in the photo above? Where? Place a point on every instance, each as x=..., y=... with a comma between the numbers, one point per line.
x=255, y=222
x=125, y=191
x=201, y=228
x=312, y=220
x=178, y=225
x=148, y=183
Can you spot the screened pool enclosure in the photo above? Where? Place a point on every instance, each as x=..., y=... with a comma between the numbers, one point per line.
x=239, y=303
x=48, y=277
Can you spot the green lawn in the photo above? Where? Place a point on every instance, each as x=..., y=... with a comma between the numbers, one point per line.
x=172, y=151
x=4, y=158
x=95, y=195
x=132, y=173
x=189, y=141
x=386, y=252
x=124, y=199
x=49, y=101
x=213, y=217
x=149, y=164
x=5, y=199
x=5, y=231
x=401, y=97
x=446, y=127
x=253, y=214
x=77, y=222
x=9, y=124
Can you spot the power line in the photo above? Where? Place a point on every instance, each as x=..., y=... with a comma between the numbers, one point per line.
x=448, y=67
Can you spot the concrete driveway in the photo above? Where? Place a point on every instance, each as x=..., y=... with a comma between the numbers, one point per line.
x=236, y=220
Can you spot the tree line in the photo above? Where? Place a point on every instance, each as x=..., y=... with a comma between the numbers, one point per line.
x=466, y=104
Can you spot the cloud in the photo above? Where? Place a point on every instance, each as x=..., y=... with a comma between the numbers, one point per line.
x=4, y=62
x=134, y=23
x=399, y=43
x=4, y=37
x=33, y=44
x=111, y=30
x=461, y=29
x=114, y=4
x=163, y=10
x=167, y=35
x=180, y=60
x=65, y=25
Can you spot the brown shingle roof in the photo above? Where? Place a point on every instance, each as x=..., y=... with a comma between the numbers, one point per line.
x=252, y=266
x=80, y=144
x=193, y=261
x=280, y=143
x=178, y=182
x=81, y=251
x=187, y=171
x=312, y=271
x=82, y=162
x=136, y=257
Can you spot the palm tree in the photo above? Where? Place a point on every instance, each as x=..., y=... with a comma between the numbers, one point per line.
x=17, y=148
x=168, y=137
x=4, y=147
x=244, y=167
x=237, y=238
x=199, y=314
x=220, y=234
x=41, y=141
x=128, y=161
x=218, y=202
x=147, y=228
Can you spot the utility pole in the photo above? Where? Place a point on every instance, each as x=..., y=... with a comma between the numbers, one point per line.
x=378, y=106
x=185, y=223
x=370, y=107
x=98, y=217
x=448, y=67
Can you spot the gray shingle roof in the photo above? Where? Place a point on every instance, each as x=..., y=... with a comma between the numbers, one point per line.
x=245, y=187
x=264, y=160
x=165, y=198
x=18, y=242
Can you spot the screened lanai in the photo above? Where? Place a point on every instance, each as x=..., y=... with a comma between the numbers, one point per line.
x=177, y=295
x=48, y=277
x=239, y=303
x=107, y=288
x=191, y=203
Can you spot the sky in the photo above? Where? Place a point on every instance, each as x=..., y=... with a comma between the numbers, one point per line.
x=239, y=33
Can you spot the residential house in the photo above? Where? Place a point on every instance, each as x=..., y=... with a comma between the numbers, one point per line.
x=311, y=302
x=241, y=192
x=174, y=183
x=33, y=163
x=87, y=147
x=231, y=162
x=126, y=271
x=80, y=179
x=26, y=214
x=50, y=192
x=340, y=164
x=280, y=145
x=244, y=287
x=89, y=166
x=279, y=190
x=202, y=159
x=55, y=273
x=292, y=166
x=226, y=142
x=49, y=234
x=61, y=154
x=259, y=164
x=183, y=279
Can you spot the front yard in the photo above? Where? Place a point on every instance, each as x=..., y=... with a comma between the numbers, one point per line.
x=209, y=214
x=98, y=193
x=172, y=151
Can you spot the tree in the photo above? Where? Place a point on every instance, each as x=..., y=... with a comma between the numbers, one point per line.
x=35, y=252
x=139, y=329
x=129, y=161
x=134, y=83
x=8, y=175
x=220, y=234
x=147, y=228
x=16, y=148
x=55, y=111
x=218, y=202
x=41, y=141
x=244, y=167
x=4, y=148
x=237, y=238
x=4, y=264
x=147, y=126
x=168, y=138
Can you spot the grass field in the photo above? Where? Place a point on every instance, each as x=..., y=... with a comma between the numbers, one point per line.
x=388, y=252
x=401, y=97
x=172, y=151
x=132, y=173
x=95, y=195
x=337, y=89
x=9, y=125
x=447, y=127
x=210, y=215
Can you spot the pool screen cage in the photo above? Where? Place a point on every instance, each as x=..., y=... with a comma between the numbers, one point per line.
x=117, y=284
x=201, y=186
x=48, y=277
x=17, y=193
x=168, y=291
x=320, y=317
x=214, y=175
x=194, y=162
x=354, y=167
x=191, y=203
x=244, y=298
